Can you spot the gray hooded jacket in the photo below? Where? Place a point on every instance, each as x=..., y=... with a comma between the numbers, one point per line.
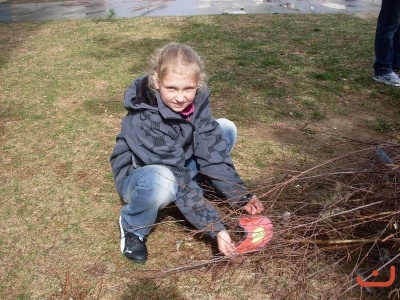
x=153, y=134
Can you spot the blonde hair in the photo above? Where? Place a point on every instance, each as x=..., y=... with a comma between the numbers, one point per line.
x=176, y=57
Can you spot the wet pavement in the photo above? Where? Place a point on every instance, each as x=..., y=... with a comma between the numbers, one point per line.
x=92, y=9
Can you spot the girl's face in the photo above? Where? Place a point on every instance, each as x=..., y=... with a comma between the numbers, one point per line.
x=177, y=90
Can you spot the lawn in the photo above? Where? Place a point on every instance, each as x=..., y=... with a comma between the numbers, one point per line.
x=300, y=90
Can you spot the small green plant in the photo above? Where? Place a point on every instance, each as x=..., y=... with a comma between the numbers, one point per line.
x=383, y=125
x=111, y=14
x=109, y=17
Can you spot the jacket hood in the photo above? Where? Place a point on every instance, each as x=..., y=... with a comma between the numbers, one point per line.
x=139, y=96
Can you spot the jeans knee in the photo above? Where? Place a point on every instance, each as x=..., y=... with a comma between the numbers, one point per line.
x=163, y=184
x=229, y=132
x=153, y=186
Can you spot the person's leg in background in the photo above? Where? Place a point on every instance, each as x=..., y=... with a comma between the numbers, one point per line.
x=386, y=43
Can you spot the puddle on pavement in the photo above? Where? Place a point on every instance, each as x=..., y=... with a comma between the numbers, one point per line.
x=42, y=10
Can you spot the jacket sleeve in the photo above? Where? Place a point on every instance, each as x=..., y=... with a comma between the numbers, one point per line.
x=121, y=161
x=215, y=162
x=198, y=211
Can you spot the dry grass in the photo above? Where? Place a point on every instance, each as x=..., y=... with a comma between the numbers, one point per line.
x=309, y=118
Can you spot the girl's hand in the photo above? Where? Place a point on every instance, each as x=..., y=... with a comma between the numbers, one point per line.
x=254, y=206
x=225, y=245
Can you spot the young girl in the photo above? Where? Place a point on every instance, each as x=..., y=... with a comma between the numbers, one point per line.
x=168, y=141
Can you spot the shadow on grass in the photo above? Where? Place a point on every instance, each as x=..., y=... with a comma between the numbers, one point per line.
x=13, y=37
x=176, y=214
x=150, y=290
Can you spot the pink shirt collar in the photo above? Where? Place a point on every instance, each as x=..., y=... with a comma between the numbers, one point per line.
x=189, y=110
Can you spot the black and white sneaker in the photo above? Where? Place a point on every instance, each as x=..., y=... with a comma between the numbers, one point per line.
x=132, y=246
x=390, y=79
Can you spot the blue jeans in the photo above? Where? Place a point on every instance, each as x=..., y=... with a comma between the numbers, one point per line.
x=148, y=189
x=387, y=38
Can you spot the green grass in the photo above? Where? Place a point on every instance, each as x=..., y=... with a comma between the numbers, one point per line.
x=62, y=84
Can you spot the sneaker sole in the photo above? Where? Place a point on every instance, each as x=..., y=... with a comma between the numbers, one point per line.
x=385, y=82
x=122, y=247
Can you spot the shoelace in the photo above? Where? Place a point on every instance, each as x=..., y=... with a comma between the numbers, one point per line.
x=134, y=239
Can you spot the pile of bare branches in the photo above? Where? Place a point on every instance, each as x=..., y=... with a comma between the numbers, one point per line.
x=345, y=211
